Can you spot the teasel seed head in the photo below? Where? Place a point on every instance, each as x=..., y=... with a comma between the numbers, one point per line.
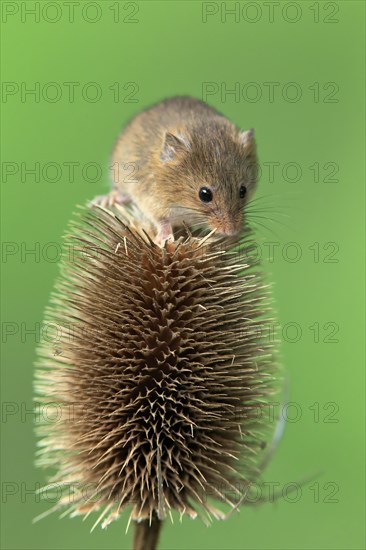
x=160, y=366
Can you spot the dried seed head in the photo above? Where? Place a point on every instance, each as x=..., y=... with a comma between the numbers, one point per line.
x=159, y=367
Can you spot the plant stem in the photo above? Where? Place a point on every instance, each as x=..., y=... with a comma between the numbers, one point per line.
x=147, y=534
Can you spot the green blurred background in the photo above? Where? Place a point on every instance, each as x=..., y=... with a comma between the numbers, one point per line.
x=297, y=69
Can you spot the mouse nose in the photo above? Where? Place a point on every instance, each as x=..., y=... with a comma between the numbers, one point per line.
x=225, y=226
x=231, y=227
x=228, y=229
x=231, y=231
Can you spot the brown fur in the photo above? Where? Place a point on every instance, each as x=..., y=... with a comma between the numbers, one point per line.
x=208, y=152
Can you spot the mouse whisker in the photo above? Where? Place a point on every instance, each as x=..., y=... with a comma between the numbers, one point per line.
x=271, y=219
x=255, y=223
x=269, y=216
x=188, y=208
x=272, y=212
x=272, y=199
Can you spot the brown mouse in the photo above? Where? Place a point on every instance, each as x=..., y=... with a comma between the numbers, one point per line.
x=182, y=161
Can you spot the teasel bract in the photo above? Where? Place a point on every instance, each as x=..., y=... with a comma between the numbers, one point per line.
x=159, y=365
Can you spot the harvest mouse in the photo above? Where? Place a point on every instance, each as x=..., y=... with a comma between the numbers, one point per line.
x=182, y=161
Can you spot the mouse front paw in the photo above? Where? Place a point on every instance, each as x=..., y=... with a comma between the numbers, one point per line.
x=165, y=233
x=110, y=199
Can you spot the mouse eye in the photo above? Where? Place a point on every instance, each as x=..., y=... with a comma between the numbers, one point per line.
x=205, y=194
x=242, y=191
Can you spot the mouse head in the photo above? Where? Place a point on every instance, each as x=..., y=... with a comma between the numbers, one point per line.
x=210, y=173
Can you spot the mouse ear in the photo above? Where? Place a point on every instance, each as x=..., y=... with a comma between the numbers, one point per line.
x=246, y=138
x=172, y=144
